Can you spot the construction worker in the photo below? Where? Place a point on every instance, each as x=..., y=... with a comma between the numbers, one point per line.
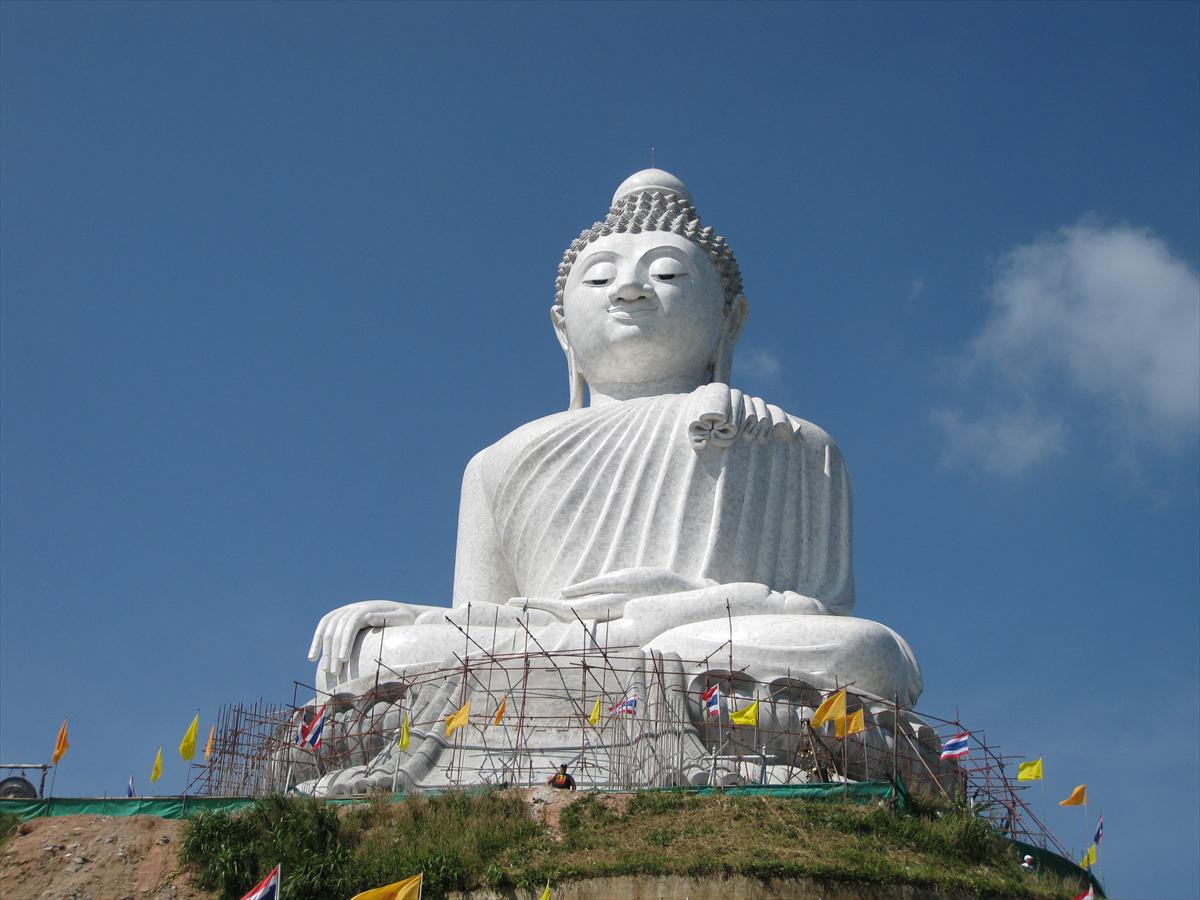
x=561, y=779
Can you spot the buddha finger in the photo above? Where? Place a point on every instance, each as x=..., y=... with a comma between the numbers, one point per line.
x=600, y=584
x=329, y=628
x=333, y=640
x=762, y=419
x=320, y=641
x=348, y=630
x=737, y=410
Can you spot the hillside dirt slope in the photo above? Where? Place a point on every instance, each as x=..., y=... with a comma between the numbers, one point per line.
x=95, y=858
x=92, y=857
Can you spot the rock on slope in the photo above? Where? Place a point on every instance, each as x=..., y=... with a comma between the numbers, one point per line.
x=95, y=858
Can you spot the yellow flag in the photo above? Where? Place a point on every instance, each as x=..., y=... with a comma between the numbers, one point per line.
x=594, y=718
x=187, y=747
x=1078, y=797
x=457, y=720
x=546, y=892
x=500, y=711
x=834, y=707
x=61, y=745
x=212, y=732
x=851, y=724
x=1030, y=771
x=747, y=716
x=408, y=889
x=1089, y=858
x=156, y=772
x=404, y=735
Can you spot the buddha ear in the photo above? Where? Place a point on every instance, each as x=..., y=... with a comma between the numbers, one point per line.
x=735, y=321
x=559, y=321
x=575, y=380
x=738, y=311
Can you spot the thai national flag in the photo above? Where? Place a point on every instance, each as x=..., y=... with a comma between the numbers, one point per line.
x=712, y=700
x=956, y=747
x=311, y=733
x=1099, y=831
x=267, y=889
x=628, y=706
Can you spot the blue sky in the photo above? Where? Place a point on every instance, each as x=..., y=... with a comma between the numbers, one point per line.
x=272, y=274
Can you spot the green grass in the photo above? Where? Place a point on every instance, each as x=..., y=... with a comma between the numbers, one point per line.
x=8, y=826
x=230, y=853
x=463, y=841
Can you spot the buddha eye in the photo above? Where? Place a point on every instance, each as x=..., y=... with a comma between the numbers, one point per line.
x=667, y=268
x=600, y=274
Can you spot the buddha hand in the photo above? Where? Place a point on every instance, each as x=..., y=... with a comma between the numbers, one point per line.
x=333, y=641
x=603, y=598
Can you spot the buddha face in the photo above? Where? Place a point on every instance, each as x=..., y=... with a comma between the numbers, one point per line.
x=643, y=308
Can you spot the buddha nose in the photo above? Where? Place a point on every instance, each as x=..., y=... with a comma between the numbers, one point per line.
x=631, y=291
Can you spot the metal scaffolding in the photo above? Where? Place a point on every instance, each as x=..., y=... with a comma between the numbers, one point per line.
x=532, y=709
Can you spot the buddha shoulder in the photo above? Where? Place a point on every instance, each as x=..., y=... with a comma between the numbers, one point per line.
x=713, y=415
x=497, y=456
x=725, y=417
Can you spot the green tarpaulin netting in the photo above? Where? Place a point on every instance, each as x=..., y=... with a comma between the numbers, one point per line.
x=163, y=807
x=855, y=792
x=182, y=807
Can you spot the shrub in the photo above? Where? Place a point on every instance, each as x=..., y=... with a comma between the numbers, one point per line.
x=8, y=826
x=231, y=853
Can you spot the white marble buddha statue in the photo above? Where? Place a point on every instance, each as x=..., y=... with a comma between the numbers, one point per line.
x=657, y=498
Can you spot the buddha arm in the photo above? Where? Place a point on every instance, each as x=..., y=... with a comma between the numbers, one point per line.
x=662, y=597
x=648, y=617
x=481, y=573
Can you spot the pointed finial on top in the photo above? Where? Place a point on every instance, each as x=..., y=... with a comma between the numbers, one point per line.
x=652, y=180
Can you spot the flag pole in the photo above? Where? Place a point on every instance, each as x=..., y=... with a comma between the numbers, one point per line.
x=187, y=762
x=896, y=745
x=396, y=752
x=1043, y=782
x=732, y=733
x=845, y=753
x=845, y=765
x=54, y=776
x=764, y=748
x=1085, y=825
x=866, y=751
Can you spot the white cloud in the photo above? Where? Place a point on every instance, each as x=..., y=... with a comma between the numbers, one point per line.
x=762, y=366
x=1106, y=313
x=1113, y=311
x=1005, y=442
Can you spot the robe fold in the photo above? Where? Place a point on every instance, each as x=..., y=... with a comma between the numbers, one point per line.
x=712, y=486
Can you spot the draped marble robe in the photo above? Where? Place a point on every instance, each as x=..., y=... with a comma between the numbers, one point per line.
x=712, y=486
x=652, y=514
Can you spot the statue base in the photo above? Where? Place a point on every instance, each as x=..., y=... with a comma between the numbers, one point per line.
x=619, y=719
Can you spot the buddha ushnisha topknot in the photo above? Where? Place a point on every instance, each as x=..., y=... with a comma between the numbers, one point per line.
x=656, y=211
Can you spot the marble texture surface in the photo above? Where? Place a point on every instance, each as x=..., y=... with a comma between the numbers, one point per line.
x=662, y=502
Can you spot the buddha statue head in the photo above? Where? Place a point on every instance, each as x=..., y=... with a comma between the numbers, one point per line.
x=647, y=301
